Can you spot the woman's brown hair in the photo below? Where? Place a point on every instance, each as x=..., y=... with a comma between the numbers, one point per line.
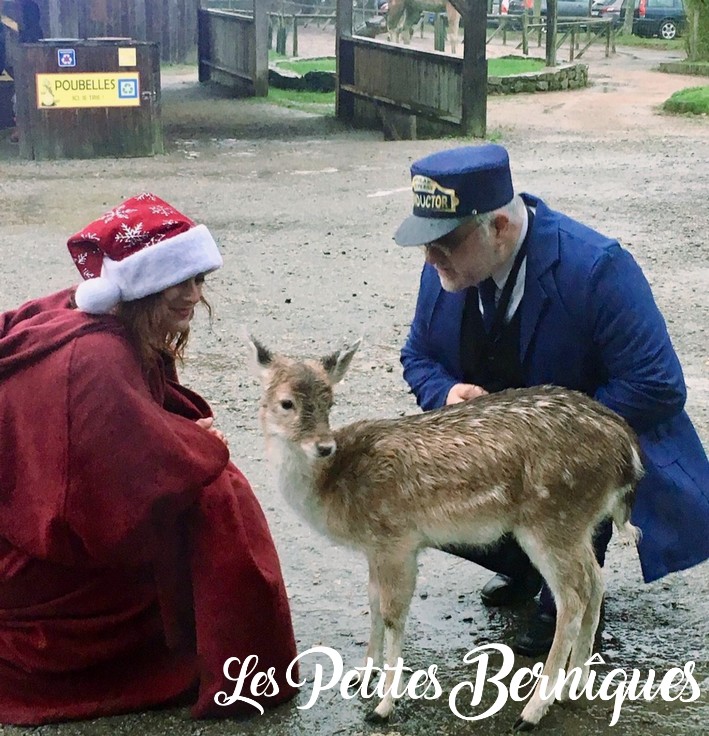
x=142, y=319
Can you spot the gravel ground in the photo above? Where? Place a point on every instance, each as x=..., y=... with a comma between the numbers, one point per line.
x=304, y=210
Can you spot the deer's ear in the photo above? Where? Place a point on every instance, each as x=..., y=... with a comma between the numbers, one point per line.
x=260, y=356
x=337, y=363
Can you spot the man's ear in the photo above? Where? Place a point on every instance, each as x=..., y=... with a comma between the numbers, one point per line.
x=501, y=222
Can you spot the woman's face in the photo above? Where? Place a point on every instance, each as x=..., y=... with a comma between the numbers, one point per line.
x=177, y=304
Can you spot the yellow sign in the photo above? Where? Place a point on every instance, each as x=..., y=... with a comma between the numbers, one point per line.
x=96, y=89
x=127, y=57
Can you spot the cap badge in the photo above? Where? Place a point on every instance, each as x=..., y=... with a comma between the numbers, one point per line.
x=430, y=195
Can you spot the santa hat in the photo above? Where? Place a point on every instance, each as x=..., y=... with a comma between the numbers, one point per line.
x=138, y=248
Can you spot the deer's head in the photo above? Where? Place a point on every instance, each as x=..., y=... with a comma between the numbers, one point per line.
x=297, y=396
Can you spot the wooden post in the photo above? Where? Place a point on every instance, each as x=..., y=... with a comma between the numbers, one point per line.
x=439, y=32
x=281, y=36
x=344, y=101
x=139, y=30
x=295, y=35
x=551, y=33
x=203, y=46
x=262, y=33
x=525, y=41
x=608, y=39
x=63, y=19
x=474, y=77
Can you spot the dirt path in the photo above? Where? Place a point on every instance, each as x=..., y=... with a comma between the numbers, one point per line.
x=304, y=210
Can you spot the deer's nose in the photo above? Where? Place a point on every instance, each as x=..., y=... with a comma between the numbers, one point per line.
x=325, y=449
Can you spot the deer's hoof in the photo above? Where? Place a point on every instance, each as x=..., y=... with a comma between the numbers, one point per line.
x=375, y=718
x=522, y=725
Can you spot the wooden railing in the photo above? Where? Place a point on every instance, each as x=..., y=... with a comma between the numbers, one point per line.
x=229, y=51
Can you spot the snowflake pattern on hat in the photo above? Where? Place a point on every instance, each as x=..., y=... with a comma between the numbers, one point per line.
x=140, y=247
x=124, y=230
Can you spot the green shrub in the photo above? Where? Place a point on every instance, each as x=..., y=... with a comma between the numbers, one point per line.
x=693, y=100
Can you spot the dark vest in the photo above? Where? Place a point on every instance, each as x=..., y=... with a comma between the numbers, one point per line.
x=492, y=360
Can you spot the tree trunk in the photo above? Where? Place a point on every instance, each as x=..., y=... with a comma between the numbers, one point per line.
x=628, y=17
x=698, y=30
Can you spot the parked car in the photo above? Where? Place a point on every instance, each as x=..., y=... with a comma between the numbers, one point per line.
x=613, y=9
x=564, y=8
x=597, y=5
x=664, y=18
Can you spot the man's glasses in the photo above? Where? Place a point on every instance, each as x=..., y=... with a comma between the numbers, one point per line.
x=447, y=243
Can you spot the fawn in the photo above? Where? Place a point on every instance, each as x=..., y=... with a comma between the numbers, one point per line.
x=544, y=464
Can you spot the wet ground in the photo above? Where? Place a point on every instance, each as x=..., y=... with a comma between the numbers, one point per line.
x=304, y=210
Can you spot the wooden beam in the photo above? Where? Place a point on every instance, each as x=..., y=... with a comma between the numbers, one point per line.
x=474, y=77
x=260, y=49
x=344, y=100
x=140, y=30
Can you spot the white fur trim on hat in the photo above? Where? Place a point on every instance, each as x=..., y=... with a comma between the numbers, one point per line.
x=97, y=296
x=150, y=270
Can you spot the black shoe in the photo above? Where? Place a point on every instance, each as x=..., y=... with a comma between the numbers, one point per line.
x=504, y=591
x=537, y=639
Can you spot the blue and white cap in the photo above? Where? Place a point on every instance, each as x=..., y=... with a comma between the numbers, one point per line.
x=452, y=185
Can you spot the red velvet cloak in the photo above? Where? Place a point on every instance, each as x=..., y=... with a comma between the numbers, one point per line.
x=134, y=557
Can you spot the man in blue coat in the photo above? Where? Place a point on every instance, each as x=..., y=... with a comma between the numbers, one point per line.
x=515, y=294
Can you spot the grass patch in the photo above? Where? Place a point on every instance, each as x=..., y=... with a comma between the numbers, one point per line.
x=676, y=44
x=693, y=100
x=303, y=66
x=321, y=103
x=507, y=66
x=503, y=67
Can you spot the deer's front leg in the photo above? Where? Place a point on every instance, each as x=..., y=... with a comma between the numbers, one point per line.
x=375, y=649
x=396, y=574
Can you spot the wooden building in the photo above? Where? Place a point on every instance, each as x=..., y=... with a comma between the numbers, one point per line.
x=170, y=23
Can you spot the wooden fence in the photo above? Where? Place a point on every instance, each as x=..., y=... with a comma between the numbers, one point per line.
x=233, y=50
x=397, y=86
x=170, y=23
x=383, y=78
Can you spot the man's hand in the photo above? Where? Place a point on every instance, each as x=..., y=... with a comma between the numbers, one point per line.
x=463, y=392
x=207, y=423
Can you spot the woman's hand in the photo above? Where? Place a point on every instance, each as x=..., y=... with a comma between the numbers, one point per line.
x=208, y=424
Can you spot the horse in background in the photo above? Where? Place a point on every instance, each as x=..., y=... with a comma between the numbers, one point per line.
x=403, y=15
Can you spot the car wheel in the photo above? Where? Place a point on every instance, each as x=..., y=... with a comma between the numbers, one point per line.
x=668, y=30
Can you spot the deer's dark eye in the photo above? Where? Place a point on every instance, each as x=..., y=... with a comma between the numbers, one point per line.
x=286, y=404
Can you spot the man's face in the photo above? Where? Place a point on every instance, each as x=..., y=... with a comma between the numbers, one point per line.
x=468, y=255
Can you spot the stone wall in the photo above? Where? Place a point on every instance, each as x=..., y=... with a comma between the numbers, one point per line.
x=700, y=68
x=567, y=76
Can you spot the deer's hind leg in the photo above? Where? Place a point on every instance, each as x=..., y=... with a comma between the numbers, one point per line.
x=583, y=647
x=566, y=571
x=395, y=575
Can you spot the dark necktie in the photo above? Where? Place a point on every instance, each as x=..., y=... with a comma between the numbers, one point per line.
x=487, y=290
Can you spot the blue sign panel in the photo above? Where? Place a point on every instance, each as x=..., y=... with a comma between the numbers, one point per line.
x=128, y=89
x=66, y=57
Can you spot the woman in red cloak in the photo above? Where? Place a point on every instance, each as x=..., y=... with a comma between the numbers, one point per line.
x=135, y=559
